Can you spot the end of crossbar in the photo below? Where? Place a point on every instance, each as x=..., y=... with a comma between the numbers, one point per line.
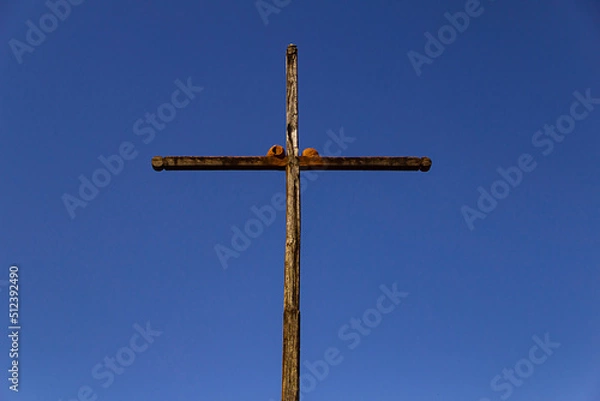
x=425, y=164
x=158, y=163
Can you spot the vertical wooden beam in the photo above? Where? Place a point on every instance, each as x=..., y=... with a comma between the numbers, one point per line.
x=290, y=386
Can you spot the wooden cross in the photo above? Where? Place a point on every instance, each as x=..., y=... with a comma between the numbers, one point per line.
x=292, y=162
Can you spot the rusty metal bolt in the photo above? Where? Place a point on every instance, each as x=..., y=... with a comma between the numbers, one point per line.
x=310, y=152
x=276, y=151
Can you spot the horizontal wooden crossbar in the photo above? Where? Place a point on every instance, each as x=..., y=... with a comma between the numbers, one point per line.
x=383, y=163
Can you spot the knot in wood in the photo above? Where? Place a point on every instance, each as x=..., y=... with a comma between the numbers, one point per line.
x=276, y=151
x=310, y=152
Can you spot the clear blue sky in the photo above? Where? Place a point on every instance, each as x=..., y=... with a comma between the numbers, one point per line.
x=478, y=282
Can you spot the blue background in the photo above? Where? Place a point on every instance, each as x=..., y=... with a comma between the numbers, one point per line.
x=143, y=250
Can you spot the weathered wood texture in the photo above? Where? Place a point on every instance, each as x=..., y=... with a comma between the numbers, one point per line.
x=292, y=162
x=365, y=163
x=218, y=163
x=290, y=380
x=280, y=162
